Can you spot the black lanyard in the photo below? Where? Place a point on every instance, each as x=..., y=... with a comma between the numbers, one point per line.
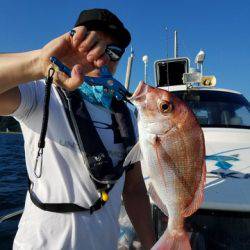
x=41, y=143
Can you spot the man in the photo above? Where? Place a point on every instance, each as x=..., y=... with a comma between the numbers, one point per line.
x=64, y=177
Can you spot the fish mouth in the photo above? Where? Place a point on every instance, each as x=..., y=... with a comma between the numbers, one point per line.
x=140, y=91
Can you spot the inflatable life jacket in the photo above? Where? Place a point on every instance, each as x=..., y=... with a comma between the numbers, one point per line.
x=101, y=170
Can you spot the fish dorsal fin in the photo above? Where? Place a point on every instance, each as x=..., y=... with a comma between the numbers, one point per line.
x=134, y=155
x=199, y=195
x=157, y=200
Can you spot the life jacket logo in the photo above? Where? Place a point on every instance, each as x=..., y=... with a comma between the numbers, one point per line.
x=99, y=157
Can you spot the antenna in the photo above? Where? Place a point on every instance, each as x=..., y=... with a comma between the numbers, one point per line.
x=166, y=28
x=129, y=68
x=145, y=60
x=175, y=44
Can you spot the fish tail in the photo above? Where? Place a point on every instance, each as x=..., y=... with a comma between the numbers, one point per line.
x=173, y=241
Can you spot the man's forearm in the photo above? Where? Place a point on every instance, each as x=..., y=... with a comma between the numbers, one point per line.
x=19, y=68
x=137, y=204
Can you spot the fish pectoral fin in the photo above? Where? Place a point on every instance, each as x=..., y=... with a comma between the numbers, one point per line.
x=199, y=195
x=157, y=200
x=134, y=155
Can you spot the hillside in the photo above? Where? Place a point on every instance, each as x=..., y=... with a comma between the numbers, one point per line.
x=9, y=124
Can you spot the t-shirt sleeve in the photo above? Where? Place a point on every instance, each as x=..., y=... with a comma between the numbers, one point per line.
x=29, y=101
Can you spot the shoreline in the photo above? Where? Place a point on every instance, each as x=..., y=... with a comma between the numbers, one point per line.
x=10, y=132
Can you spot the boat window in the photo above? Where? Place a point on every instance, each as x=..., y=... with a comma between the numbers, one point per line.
x=217, y=108
x=169, y=72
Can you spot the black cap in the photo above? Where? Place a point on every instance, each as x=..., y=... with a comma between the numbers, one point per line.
x=104, y=20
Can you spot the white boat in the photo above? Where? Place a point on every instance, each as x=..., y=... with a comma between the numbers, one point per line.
x=225, y=120
x=223, y=220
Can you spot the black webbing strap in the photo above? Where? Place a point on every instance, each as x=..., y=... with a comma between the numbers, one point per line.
x=66, y=207
x=100, y=164
x=125, y=124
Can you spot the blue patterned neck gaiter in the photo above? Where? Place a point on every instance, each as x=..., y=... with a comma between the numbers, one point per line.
x=98, y=95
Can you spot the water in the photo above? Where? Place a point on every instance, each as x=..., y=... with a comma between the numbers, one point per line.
x=13, y=184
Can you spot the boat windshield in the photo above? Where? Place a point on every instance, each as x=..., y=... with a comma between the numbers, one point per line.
x=217, y=108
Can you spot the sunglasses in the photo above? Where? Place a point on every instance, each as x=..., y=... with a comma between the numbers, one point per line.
x=114, y=52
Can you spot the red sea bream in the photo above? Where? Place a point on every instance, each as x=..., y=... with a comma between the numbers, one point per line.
x=172, y=153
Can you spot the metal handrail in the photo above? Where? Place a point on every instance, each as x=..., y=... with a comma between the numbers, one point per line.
x=8, y=216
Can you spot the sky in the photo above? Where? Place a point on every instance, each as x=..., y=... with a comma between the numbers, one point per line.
x=220, y=27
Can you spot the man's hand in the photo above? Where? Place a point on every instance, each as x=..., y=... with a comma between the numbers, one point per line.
x=82, y=53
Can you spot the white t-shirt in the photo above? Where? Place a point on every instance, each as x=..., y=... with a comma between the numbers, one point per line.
x=64, y=179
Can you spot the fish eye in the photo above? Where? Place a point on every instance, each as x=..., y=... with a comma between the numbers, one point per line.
x=165, y=106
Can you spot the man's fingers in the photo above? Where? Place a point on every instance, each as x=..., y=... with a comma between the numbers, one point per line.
x=79, y=36
x=90, y=46
x=73, y=82
x=97, y=51
x=88, y=42
x=76, y=78
x=103, y=60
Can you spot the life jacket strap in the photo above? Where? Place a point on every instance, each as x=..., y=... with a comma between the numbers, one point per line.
x=67, y=207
